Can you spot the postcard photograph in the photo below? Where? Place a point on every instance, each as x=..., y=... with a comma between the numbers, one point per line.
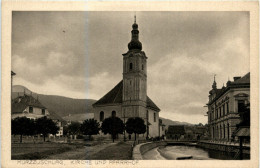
x=130, y=87
x=152, y=85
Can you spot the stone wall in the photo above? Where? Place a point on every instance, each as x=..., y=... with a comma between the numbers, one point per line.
x=223, y=147
x=140, y=149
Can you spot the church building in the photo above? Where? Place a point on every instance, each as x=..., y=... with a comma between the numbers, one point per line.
x=129, y=97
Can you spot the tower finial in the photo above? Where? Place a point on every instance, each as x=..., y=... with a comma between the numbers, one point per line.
x=135, y=17
x=214, y=86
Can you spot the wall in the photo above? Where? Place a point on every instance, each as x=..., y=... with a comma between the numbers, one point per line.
x=37, y=113
x=223, y=147
x=107, y=111
x=227, y=120
x=154, y=127
x=140, y=149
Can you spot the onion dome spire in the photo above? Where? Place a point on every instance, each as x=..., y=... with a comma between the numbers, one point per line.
x=135, y=44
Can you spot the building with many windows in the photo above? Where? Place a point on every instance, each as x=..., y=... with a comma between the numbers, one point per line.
x=129, y=97
x=224, y=107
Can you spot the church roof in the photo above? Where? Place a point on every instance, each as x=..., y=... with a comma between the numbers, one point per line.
x=115, y=96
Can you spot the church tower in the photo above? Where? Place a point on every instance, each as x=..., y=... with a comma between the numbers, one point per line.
x=134, y=78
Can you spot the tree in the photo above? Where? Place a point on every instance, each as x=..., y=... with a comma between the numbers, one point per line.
x=135, y=125
x=90, y=127
x=46, y=126
x=74, y=128
x=22, y=126
x=113, y=126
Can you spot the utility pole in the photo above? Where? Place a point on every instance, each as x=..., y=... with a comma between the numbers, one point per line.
x=12, y=74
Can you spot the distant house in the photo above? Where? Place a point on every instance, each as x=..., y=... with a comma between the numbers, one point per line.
x=162, y=128
x=175, y=132
x=30, y=107
x=59, y=121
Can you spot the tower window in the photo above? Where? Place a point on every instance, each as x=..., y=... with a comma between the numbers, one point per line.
x=131, y=66
x=101, y=116
x=154, y=117
x=113, y=113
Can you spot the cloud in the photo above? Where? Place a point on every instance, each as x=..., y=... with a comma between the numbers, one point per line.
x=79, y=54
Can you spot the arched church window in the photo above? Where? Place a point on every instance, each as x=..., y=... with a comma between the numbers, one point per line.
x=101, y=116
x=113, y=113
x=131, y=66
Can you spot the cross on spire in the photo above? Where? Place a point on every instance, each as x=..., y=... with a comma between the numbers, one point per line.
x=135, y=17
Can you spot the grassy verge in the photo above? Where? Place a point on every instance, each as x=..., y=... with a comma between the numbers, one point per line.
x=41, y=153
x=120, y=151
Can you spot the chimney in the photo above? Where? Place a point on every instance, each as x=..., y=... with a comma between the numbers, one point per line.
x=237, y=77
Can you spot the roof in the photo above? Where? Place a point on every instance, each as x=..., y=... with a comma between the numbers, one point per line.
x=55, y=116
x=176, y=129
x=243, y=82
x=115, y=96
x=151, y=104
x=244, y=79
x=243, y=132
x=18, y=106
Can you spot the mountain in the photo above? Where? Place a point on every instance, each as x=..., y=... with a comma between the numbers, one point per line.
x=168, y=122
x=62, y=106
x=72, y=109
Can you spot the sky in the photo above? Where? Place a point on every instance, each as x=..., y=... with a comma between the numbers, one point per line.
x=79, y=54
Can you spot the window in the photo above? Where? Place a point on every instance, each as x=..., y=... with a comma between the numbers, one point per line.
x=113, y=113
x=227, y=109
x=217, y=113
x=30, y=109
x=224, y=131
x=154, y=117
x=223, y=109
x=228, y=131
x=101, y=116
x=131, y=66
x=212, y=114
x=142, y=66
x=43, y=111
x=240, y=106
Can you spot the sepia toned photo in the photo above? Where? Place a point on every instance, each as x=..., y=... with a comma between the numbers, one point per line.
x=124, y=87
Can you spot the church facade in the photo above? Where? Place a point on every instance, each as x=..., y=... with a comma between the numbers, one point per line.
x=129, y=97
